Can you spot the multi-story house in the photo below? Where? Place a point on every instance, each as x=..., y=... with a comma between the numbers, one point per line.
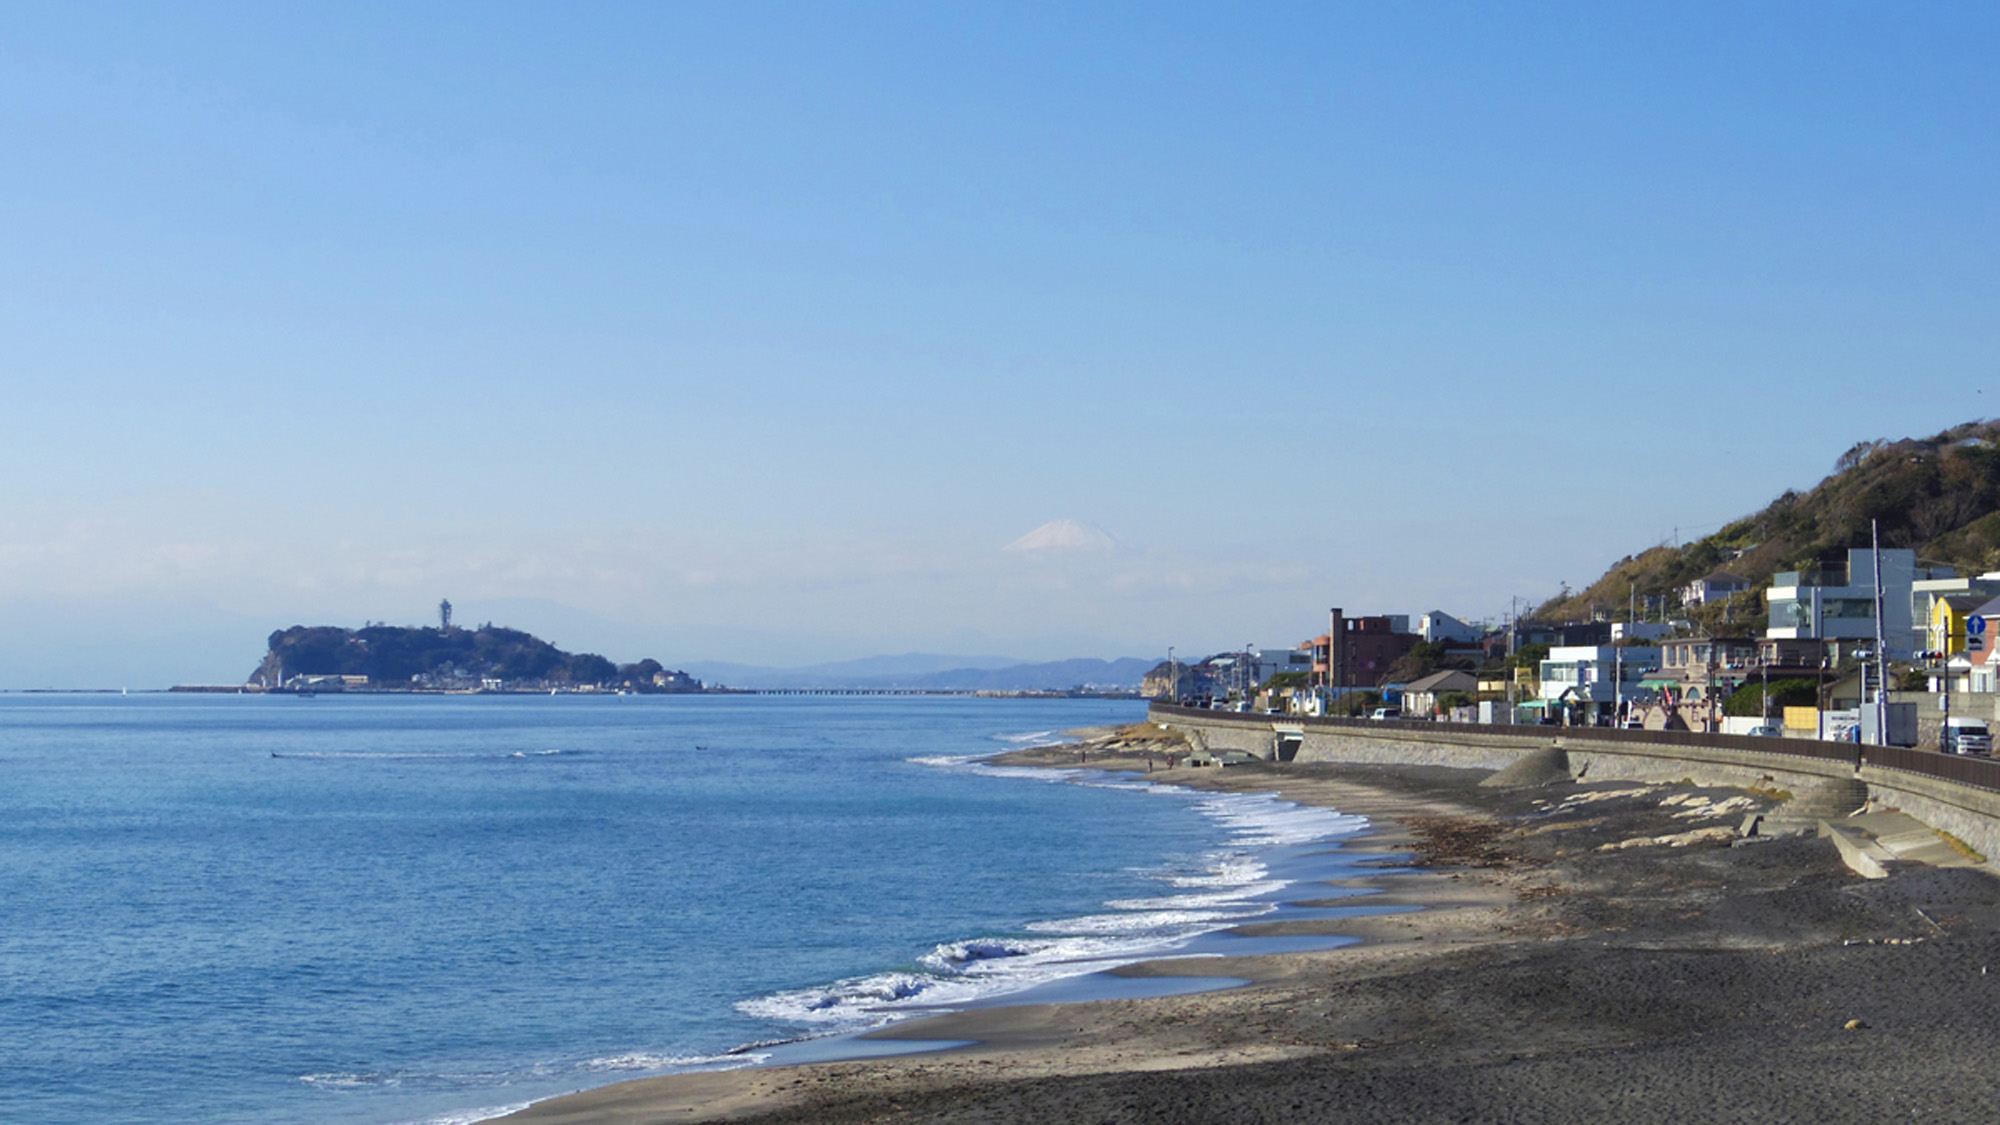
x=1714, y=587
x=1358, y=650
x=1836, y=600
x=1439, y=627
x=1593, y=680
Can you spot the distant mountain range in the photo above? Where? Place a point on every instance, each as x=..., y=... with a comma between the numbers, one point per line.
x=932, y=672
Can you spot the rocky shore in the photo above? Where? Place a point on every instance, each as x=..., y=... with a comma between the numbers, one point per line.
x=1586, y=952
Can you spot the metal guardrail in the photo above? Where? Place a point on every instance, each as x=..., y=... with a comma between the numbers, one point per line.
x=1976, y=773
x=1979, y=773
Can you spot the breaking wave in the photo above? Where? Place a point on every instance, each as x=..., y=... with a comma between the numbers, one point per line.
x=1033, y=738
x=1231, y=885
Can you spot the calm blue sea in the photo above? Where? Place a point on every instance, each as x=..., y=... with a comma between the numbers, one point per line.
x=379, y=909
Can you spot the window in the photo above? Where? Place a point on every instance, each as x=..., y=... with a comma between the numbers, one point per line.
x=1791, y=614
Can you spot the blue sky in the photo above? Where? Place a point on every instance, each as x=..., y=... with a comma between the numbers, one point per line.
x=757, y=331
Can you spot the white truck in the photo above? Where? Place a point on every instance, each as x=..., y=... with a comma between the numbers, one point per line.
x=1966, y=736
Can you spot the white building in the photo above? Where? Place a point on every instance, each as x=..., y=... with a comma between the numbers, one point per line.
x=1596, y=676
x=1270, y=663
x=1438, y=626
x=1837, y=601
x=1639, y=630
x=1715, y=587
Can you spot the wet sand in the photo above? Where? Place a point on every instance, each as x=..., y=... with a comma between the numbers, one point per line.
x=1558, y=972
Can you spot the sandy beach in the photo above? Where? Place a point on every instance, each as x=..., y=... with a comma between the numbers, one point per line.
x=1584, y=952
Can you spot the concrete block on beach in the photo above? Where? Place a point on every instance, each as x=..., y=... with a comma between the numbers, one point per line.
x=1536, y=768
x=1857, y=851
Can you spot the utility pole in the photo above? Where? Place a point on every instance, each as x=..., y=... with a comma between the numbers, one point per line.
x=1334, y=676
x=1513, y=645
x=1173, y=676
x=1714, y=715
x=1944, y=660
x=1881, y=645
x=1618, y=685
x=1764, y=666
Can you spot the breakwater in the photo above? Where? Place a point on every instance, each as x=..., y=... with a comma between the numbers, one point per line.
x=1957, y=795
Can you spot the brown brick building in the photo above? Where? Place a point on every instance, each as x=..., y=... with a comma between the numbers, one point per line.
x=1359, y=650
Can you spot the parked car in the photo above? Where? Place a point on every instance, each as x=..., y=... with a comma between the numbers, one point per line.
x=1966, y=736
x=1766, y=730
x=1386, y=713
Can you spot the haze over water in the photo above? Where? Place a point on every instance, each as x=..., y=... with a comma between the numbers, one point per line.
x=372, y=910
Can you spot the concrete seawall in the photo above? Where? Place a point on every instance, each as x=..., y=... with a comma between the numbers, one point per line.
x=1969, y=812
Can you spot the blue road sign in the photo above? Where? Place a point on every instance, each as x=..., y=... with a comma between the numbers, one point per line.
x=1975, y=626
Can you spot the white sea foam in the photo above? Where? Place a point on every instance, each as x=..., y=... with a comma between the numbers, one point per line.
x=642, y=1060
x=1202, y=901
x=977, y=763
x=860, y=1001
x=472, y=1116
x=946, y=761
x=1033, y=738
x=953, y=975
x=1163, y=923
x=1228, y=871
x=343, y=1081
x=1232, y=884
x=632, y=1062
x=1266, y=820
x=1001, y=958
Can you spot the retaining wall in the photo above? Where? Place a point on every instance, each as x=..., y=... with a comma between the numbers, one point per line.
x=1957, y=795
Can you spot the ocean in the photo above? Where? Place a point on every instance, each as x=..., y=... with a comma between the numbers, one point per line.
x=382, y=909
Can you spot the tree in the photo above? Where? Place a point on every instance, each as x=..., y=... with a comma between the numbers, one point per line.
x=1748, y=701
x=1421, y=660
x=590, y=668
x=1530, y=656
x=1356, y=702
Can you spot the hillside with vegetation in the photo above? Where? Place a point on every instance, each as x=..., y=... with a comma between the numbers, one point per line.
x=1938, y=495
x=393, y=656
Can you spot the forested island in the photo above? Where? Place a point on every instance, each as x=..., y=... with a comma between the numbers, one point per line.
x=446, y=658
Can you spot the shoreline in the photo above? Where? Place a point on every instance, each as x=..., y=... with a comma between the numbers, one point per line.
x=1419, y=906
x=1567, y=963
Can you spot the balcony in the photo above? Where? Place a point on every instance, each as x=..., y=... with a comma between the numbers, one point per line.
x=1826, y=577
